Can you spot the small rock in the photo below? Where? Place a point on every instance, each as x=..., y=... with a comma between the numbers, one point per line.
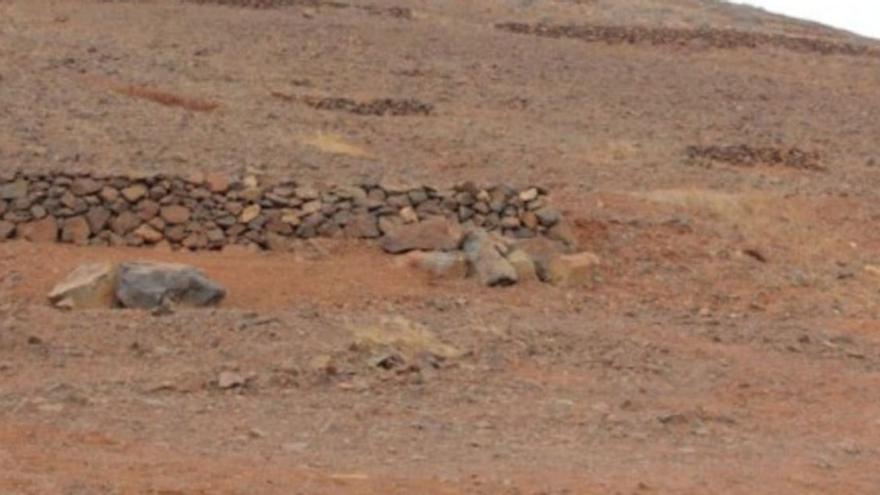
x=230, y=379
x=563, y=233
x=485, y=253
x=134, y=193
x=89, y=286
x=523, y=264
x=570, y=270
x=249, y=213
x=44, y=230
x=434, y=233
x=307, y=193
x=14, y=190
x=97, y=217
x=7, y=229
x=251, y=194
x=195, y=241
x=148, y=234
x=548, y=216
x=85, y=186
x=145, y=285
x=277, y=226
x=148, y=209
x=124, y=223
x=215, y=236
x=510, y=222
x=541, y=250
x=38, y=211
x=409, y=215
x=175, y=214
x=311, y=207
x=109, y=194
x=76, y=230
x=217, y=183
x=175, y=233
x=529, y=194
x=362, y=226
x=530, y=220
x=251, y=182
x=291, y=219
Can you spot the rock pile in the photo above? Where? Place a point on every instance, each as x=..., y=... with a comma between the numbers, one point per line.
x=213, y=211
x=443, y=249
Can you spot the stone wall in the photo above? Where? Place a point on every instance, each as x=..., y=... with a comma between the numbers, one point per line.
x=213, y=211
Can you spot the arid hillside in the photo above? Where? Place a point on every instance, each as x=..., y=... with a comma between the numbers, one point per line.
x=721, y=162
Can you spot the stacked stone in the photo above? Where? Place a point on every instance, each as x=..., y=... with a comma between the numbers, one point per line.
x=213, y=211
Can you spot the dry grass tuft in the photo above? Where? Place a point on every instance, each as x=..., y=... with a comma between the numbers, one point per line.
x=408, y=337
x=336, y=144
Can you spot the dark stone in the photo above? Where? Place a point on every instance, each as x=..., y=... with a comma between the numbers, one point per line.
x=149, y=285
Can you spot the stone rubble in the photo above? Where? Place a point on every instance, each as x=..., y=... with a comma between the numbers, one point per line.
x=498, y=261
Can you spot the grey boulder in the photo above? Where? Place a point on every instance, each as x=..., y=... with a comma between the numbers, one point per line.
x=148, y=285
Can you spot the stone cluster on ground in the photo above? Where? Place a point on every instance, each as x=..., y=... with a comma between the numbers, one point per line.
x=209, y=211
x=444, y=249
x=142, y=285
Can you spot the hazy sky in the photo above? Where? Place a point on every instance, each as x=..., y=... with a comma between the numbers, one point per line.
x=860, y=16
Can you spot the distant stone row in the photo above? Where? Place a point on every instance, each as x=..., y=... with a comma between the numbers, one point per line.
x=209, y=211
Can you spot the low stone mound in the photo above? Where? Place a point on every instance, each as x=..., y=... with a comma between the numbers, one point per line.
x=215, y=211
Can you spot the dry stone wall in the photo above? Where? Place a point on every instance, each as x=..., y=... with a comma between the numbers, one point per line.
x=212, y=211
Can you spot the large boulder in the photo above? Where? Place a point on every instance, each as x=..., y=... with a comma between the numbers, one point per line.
x=431, y=234
x=485, y=253
x=90, y=286
x=148, y=285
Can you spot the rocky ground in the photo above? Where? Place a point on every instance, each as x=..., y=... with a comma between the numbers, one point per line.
x=720, y=162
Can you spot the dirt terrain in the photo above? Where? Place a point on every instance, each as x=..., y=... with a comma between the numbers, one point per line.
x=721, y=161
